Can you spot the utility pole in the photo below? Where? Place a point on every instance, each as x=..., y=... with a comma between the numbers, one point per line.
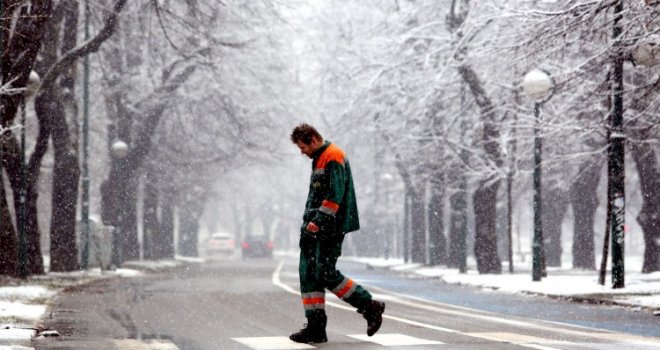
x=616, y=166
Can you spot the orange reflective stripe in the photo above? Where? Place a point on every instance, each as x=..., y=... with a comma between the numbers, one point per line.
x=332, y=153
x=313, y=301
x=330, y=205
x=346, y=288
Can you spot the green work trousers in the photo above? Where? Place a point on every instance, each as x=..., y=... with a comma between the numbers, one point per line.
x=318, y=272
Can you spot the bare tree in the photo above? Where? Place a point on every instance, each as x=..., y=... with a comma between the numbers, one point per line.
x=20, y=44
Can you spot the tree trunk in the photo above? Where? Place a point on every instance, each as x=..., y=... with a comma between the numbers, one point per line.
x=131, y=243
x=418, y=224
x=584, y=201
x=405, y=239
x=150, y=217
x=66, y=171
x=166, y=241
x=8, y=242
x=458, y=223
x=63, y=248
x=649, y=218
x=485, y=240
x=188, y=232
x=13, y=164
x=485, y=197
x=438, y=241
x=555, y=204
x=119, y=192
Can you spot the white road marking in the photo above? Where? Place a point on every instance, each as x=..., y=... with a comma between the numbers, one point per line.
x=507, y=337
x=272, y=343
x=394, y=339
x=150, y=344
x=518, y=339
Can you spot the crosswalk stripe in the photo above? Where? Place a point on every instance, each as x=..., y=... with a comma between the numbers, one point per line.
x=630, y=338
x=151, y=344
x=527, y=341
x=508, y=337
x=272, y=343
x=394, y=339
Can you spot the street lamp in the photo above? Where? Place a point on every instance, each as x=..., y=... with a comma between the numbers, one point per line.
x=85, y=183
x=538, y=86
x=118, y=151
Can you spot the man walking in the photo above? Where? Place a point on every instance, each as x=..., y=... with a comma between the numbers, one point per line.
x=330, y=212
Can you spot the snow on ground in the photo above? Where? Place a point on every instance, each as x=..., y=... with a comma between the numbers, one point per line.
x=642, y=290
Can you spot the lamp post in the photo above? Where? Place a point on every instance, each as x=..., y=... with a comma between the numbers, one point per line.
x=539, y=86
x=84, y=205
x=118, y=151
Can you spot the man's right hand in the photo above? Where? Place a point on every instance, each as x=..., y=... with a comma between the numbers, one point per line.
x=311, y=227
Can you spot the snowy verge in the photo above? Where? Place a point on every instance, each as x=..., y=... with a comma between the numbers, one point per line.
x=24, y=302
x=641, y=290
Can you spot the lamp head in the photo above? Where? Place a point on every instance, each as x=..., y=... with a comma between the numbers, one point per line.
x=119, y=149
x=32, y=84
x=538, y=85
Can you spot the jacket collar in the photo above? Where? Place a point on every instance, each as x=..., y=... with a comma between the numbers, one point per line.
x=319, y=151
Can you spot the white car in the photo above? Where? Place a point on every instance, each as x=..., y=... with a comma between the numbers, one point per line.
x=220, y=244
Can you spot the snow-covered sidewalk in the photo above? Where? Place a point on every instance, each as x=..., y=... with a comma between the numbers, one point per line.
x=641, y=290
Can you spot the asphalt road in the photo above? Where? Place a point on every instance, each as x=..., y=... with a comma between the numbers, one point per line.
x=253, y=304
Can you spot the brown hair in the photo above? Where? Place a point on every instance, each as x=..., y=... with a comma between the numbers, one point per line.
x=304, y=133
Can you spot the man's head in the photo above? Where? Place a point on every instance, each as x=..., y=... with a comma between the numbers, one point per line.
x=307, y=139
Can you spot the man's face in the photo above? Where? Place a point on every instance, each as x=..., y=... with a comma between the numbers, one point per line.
x=308, y=150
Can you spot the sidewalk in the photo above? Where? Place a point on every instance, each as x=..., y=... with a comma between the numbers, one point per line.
x=642, y=291
x=24, y=302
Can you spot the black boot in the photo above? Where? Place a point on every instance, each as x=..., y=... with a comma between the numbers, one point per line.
x=373, y=313
x=314, y=331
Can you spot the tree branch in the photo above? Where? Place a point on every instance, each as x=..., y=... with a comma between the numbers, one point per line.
x=86, y=48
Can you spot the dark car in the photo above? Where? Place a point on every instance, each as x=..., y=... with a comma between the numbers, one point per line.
x=257, y=246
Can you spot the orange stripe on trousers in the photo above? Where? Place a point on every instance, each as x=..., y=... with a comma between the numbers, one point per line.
x=346, y=288
x=313, y=301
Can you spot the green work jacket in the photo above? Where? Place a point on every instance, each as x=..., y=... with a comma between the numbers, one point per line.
x=331, y=202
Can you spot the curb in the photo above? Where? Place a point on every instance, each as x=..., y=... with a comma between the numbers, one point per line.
x=14, y=338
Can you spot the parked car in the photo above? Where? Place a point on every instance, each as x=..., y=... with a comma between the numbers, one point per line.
x=220, y=243
x=257, y=246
